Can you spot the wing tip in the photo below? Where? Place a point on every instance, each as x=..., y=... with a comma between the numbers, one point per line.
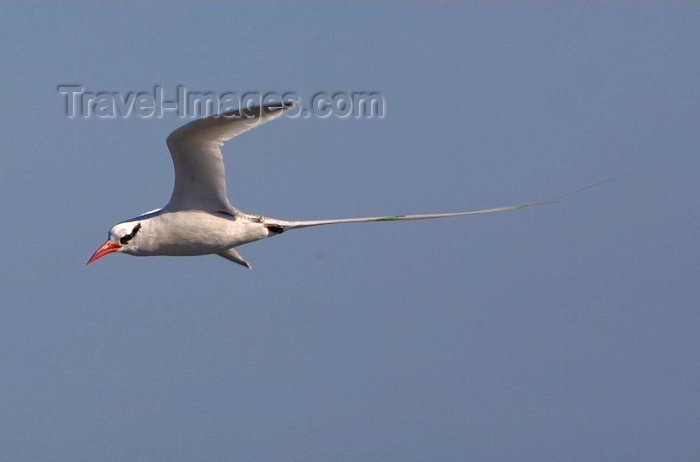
x=259, y=111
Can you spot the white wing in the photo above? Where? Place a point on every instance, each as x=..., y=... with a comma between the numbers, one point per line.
x=200, y=182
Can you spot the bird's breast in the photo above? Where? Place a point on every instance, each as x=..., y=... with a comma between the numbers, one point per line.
x=193, y=232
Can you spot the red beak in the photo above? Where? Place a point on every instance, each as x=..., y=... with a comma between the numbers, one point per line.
x=106, y=249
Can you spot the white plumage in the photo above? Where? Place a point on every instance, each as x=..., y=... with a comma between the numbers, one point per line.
x=199, y=219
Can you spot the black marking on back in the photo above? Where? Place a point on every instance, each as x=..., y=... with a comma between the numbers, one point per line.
x=127, y=237
x=277, y=229
x=228, y=214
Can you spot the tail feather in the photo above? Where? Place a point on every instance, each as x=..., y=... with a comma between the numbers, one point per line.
x=287, y=225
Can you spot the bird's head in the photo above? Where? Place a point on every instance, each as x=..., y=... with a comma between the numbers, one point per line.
x=120, y=237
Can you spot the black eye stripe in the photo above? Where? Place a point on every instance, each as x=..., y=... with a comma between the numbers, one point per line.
x=127, y=237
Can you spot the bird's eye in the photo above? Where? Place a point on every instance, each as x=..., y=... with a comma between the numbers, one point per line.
x=127, y=237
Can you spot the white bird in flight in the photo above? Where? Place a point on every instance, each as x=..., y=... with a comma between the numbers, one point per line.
x=199, y=220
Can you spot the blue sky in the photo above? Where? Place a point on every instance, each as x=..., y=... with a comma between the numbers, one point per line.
x=563, y=332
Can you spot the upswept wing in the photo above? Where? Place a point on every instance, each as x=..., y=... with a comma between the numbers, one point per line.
x=200, y=181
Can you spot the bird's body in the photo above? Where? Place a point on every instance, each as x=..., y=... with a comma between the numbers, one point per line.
x=192, y=232
x=199, y=220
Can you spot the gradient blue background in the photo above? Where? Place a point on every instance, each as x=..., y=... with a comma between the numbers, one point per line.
x=562, y=333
